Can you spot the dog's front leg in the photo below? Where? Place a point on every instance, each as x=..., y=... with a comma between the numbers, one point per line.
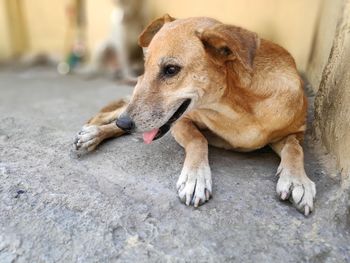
x=293, y=182
x=194, y=185
x=102, y=126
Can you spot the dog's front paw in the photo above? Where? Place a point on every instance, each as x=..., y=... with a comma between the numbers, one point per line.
x=195, y=185
x=88, y=138
x=298, y=188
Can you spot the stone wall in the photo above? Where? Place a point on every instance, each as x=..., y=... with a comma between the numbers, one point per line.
x=332, y=104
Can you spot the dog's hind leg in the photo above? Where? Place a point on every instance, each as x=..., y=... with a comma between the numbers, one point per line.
x=293, y=183
x=194, y=185
x=100, y=127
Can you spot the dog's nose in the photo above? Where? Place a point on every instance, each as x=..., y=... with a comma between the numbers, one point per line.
x=125, y=123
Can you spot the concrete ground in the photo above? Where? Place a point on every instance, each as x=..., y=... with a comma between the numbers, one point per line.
x=119, y=203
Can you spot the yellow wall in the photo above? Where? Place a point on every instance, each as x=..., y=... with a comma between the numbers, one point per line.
x=13, y=39
x=46, y=25
x=5, y=47
x=289, y=23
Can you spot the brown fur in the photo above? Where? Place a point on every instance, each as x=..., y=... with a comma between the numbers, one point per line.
x=245, y=93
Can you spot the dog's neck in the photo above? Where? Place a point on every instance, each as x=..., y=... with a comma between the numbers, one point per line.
x=238, y=88
x=237, y=75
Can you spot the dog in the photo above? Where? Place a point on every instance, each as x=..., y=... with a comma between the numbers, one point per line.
x=217, y=84
x=119, y=55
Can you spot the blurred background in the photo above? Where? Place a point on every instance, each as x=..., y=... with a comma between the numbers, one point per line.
x=32, y=27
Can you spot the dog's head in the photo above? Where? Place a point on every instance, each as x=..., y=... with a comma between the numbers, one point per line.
x=186, y=67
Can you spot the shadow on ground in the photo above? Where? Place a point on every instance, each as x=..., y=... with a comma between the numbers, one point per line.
x=120, y=201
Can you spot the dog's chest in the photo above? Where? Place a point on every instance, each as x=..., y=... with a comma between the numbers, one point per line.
x=240, y=131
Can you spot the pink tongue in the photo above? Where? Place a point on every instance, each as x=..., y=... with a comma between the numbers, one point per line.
x=149, y=136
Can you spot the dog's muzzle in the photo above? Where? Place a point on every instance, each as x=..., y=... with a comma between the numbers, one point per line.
x=179, y=112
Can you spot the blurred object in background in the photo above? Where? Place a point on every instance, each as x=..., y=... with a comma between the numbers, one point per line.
x=119, y=54
x=39, y=28
x=75, y=41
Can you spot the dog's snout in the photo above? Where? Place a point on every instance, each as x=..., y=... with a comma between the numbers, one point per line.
x=125, y=123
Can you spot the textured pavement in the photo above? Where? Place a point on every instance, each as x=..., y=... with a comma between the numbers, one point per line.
x=119, y=203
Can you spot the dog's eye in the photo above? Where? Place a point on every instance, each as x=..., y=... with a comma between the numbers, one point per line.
x=170, y=70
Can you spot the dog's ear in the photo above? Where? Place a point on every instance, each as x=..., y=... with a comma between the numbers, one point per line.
x=229, y=43
x=152, y=29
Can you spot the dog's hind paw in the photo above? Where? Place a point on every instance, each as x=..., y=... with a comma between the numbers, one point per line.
x=195, y=185
x=299, y=189
x=88, y=138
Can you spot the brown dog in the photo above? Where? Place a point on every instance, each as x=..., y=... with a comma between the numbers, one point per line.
x=214, y=84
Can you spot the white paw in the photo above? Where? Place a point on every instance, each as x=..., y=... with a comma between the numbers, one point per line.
x=298, y=188
x=88, y=138
x=195, y=185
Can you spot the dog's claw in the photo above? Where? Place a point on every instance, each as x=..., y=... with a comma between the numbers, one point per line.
x=182, y=197
x=188, y=199
x=180, y=188
x=284, y=195
x=207, y=194
x=76, y=143
x=196, y=202
x=307, y=210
